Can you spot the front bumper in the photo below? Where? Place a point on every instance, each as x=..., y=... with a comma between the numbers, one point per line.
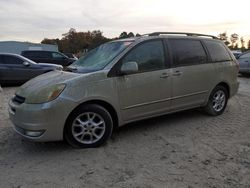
x=41, y=122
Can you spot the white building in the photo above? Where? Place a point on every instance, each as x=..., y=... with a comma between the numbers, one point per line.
x=18, y=47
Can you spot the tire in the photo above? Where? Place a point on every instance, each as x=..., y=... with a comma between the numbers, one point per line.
x=217, y=101
x=88, y=126
x=245, y=74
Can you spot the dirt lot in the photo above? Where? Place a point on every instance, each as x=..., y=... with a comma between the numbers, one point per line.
x=187, y=149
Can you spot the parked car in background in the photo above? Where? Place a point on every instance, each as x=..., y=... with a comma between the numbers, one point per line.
x=40, y=56
x=70, y=55
x=15, y=68
x=236, y=53
x=244, y=63
x=124, y=81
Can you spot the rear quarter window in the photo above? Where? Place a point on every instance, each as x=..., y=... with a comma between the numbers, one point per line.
x=217, y=51
x=37, y=54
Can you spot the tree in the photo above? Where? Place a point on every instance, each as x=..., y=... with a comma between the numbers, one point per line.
x=123, y=35
x=248, y=45
x=224, y=38
x=234, y=39
x=50, y=41
x=236, y=46
x=70, y=32
x=131, y=35
x=242, y=42
x=75, y=42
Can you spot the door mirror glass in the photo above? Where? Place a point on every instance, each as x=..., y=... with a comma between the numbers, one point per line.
x=129, y=68
x=25, y=63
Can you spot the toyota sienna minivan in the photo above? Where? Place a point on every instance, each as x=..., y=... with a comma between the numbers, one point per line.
x=124, y=81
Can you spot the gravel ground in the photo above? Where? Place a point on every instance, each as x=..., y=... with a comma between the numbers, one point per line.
x=187, y=149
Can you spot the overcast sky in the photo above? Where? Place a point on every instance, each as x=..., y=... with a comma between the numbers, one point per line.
x=32, y=20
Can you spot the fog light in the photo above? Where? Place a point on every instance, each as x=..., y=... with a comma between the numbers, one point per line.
x=33, y=133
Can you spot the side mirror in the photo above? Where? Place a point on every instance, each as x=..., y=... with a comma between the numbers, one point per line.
x=129, y=68
x=26, y=64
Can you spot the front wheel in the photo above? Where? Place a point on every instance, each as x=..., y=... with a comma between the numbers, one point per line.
x=217, y=101
x=89, y=126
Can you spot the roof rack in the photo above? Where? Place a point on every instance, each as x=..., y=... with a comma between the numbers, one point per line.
x=181, y=33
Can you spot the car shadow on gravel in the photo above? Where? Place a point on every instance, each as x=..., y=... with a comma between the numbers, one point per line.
x=168, y=120
x=30, y=146
x=244, y=76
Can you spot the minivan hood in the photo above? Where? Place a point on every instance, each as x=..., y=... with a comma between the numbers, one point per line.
x=37, y=84
x=78, y=69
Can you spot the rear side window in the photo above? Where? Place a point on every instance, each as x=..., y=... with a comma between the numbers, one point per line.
x=37, y=54
x=29, y=54
x=217, y=51
x=12, y=60
x=187, y=52
x=148, y=55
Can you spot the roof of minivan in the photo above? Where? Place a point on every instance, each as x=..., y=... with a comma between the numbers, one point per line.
x=181, y=36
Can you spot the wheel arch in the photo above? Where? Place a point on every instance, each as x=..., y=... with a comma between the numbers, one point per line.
x=225, y=85
x=102, y=103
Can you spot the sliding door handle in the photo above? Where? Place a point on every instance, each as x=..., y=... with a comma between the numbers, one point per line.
x=164, y=75
x=177, y=73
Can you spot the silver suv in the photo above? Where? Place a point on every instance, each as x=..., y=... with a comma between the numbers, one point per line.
x=124, y=81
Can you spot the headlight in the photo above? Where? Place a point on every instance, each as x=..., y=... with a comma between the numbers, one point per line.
x=59, y=68
x=47, y=94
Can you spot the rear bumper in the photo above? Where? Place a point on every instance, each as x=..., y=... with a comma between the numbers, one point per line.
x=234, y=88
x=41, y=122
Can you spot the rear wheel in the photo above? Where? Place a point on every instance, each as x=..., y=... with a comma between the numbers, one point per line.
x=217, y=101
x=89, y=126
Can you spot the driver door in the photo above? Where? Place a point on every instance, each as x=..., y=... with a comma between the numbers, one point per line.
x=15, y=70
x=147, y=92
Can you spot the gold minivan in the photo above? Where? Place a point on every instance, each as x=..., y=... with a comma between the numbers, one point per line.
x=124, y=81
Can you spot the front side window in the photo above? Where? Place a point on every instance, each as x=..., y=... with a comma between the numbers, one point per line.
x=187, y=52
x=12, y=60
x=217, y=51
x=44, y=54
x=149, y=56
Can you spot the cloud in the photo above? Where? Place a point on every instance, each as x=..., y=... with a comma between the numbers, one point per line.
x=31, y=20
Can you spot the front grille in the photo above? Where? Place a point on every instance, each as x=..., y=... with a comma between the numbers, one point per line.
x=18, y=99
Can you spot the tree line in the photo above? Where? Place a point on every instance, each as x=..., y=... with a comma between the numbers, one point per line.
x=78, y=42
x=234, y=41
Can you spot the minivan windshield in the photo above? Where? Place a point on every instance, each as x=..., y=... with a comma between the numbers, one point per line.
x=99, y=57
